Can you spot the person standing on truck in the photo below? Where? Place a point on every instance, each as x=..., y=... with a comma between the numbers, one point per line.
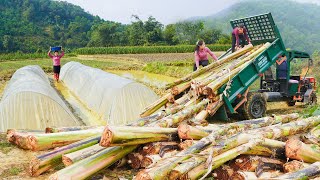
x=282, y=67
x=201, y=55
x=56, y=58
x=240, y=33
x=282, y=72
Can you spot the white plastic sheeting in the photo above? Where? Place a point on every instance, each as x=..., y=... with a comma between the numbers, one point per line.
x=29, y=102
x=115, y=99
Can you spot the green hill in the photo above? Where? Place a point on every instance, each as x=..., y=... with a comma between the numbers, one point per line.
x=31, y=25
x=299, y=24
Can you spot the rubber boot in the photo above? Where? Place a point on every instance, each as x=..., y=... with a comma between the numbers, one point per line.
x=56, y=76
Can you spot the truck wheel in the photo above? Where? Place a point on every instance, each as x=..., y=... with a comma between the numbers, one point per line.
x=291, y=102
x=313, y=99
x=255, y=107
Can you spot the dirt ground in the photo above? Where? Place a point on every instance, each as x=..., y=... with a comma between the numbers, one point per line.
x=166, y=57
x=282, y=108
x=14, y=162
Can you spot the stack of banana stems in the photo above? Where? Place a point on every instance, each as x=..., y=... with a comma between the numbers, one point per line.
x=174, y=143
x=208, y=72
x=250, y=149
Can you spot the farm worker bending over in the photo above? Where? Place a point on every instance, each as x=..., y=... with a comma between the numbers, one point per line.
x=200, y=55
x=56, y=62
x=239, y=33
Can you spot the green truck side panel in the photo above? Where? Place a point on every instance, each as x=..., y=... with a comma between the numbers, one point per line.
x=249, y=74
x=221, y=114
x=261, y=29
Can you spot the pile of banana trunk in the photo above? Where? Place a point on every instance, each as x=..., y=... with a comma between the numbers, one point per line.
x=275, y=147
x=178, y=143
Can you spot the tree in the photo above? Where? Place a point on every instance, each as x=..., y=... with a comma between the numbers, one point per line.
x=188, y=32
x=210, y=36
x=224, y=39
x=153, y=30
x=28, y=13
x=170, y=35
x=107, y=34
x=136, y=32
x=7, y=43
x=30, y=25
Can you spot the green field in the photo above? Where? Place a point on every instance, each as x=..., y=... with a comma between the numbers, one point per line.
x=169, y=64
x=156, y=63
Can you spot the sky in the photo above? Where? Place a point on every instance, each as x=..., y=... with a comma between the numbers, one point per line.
x=165, y=11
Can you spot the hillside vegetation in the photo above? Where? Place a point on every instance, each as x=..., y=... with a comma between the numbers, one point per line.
x=29, y=25
x=298, y=23
x=34, y=25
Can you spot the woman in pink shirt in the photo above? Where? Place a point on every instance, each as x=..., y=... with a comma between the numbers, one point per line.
x=201, y=55
x=239, y=35
x=56, y=62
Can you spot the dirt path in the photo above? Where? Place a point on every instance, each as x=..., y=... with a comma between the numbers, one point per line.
x=14, y=162
x=80, y=110
x=279, y=108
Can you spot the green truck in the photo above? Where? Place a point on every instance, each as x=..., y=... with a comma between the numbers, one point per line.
x=253, y=104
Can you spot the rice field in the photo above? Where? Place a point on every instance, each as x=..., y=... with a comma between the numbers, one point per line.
x=170, y=64
x=147, y=49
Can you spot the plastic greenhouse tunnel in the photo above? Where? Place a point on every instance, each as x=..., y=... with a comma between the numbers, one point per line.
x=115, y=99
x=29, y=102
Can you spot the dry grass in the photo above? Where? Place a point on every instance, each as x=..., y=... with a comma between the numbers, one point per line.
x=166, y=57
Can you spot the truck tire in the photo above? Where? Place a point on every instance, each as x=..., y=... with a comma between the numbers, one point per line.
x=255, y=107
x=291, y=102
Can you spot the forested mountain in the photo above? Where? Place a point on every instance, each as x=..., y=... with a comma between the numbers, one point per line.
x=34, y=25
x=28, y=25
x=299, y=24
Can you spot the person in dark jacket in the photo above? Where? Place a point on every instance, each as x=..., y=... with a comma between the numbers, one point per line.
x=239, y=33
x=282, y=72
x=282, y=67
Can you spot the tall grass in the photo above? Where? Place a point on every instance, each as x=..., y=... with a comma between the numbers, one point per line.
x=146, y=49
